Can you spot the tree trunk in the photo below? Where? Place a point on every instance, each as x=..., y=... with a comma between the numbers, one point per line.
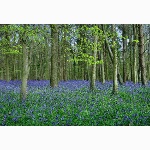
x=115, y=83
x=148, y=63
x=134, y=54
x=64, y=55
x=106, y=62
x=102, y=67
x=7, y=68
x=65, y=69
x=54, y=57
x=93, y=67
x=124, y=52
x=2, y=73
x=25, y=71
x=131, y=55
x=141, y=55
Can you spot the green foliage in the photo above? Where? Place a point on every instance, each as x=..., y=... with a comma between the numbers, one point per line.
x=122, y=37
x=86, y=45
x=84, y=57
x=136, y=41
x=12, y=52
x=114, y=44
x=80, y=107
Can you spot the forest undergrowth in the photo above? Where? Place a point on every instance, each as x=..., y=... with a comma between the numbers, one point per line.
x=73, y=104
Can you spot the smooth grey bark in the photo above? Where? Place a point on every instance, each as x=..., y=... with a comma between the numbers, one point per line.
x=101, y=53
x=25, y=65
x=54, y=57
x=141, y=55
x=102, y=67
x=135, y=46
x=115, y=66
x=25, y=72
x=93, y=67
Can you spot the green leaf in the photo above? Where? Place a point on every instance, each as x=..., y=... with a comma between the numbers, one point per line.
x=136, y=41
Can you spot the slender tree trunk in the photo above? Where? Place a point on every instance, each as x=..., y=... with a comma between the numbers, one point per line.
x=74, y=69
x=25, y=72
x=115, y=83
x=7, y=68
x=106, y=63
x=131, y=56
x=7, y=59
x=2, y=73
x=36, y=70
x=147, y=56
x=54, y=57
x=102, y=67
x=59, y=60
x=141, y=55
x=65, y=69
x=93, y=67
x=134, y=54
x=47, y=65
x=99, y=68
x=148, y=63
x=14, y=68
x=88, y=74
x=124, y=52
x=64, y=55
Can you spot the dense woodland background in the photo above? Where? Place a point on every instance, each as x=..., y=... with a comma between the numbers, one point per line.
x=64, y=52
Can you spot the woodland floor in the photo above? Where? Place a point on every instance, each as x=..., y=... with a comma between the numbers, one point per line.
x=73, y=104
